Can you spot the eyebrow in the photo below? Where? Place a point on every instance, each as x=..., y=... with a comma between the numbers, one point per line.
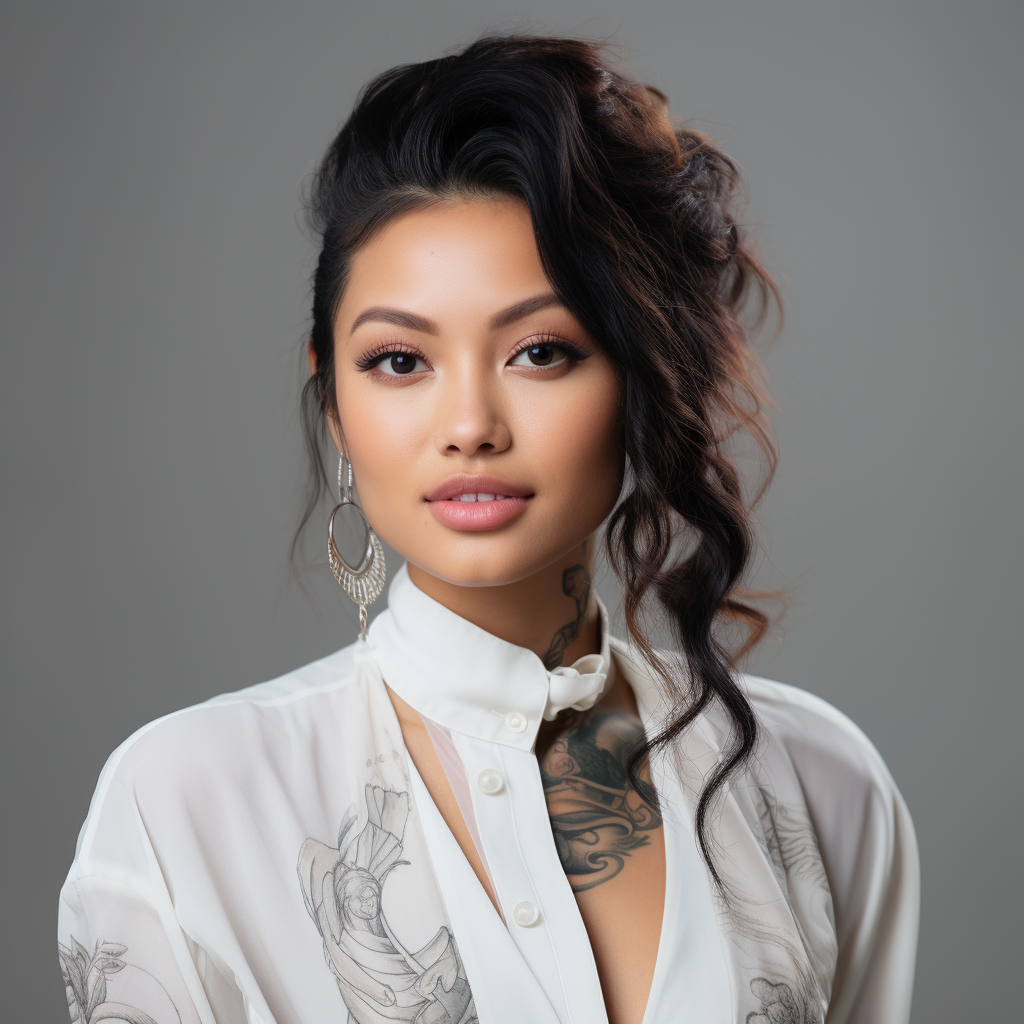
x=415, y=322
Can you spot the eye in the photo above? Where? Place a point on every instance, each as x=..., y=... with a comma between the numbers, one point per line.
x=399, y=364
x=543, y=355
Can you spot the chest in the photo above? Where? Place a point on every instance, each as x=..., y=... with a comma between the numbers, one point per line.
x=376, y=896
x=569, y=828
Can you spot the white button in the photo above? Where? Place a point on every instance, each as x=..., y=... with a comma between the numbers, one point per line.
x=490, y=781
x=515, y=722
x=525, y=914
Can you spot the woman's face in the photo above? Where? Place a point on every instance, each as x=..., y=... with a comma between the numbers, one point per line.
x=481, y=420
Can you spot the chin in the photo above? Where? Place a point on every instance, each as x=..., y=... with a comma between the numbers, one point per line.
x=486, y=561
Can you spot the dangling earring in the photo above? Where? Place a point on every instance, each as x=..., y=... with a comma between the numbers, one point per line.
x=364, y=583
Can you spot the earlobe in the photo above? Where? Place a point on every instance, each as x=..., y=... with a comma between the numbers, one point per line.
x=311, y=356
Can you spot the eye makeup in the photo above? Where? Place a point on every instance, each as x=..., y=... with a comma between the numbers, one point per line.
x=369, y=359
x=548, y=343
x=395, y=359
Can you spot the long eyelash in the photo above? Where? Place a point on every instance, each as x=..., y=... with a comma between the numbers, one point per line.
x=368, y=360
x=373, y=356
x=553, y=341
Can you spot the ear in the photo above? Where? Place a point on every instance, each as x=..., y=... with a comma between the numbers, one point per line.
x=333, y=426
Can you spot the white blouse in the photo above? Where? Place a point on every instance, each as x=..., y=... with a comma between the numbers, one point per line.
x=272, y=856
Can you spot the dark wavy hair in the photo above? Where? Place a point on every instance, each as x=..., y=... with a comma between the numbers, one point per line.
x=635, y=222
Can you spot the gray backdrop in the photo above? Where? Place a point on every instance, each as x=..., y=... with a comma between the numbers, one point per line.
x=155, y=294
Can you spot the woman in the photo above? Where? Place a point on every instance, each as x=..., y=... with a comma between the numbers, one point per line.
x=527, y=328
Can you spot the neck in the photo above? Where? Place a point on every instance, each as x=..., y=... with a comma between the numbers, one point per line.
x=552, y=613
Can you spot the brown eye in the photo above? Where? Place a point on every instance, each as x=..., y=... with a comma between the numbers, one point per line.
x=398, y=364
x=402, y=362
x=540, y=355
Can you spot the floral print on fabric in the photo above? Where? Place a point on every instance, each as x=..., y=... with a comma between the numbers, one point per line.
x=85, y=977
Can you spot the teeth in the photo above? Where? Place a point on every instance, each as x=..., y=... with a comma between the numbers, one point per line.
x=480, y=497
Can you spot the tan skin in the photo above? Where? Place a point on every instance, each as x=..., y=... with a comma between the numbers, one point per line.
x=481, y=387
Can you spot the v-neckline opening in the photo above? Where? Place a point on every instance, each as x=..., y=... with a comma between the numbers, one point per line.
x=661, y=956
x=413, y=770
x=669, y=839
x=664, y=935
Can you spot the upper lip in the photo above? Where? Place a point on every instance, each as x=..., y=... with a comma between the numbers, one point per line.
x=470, y=483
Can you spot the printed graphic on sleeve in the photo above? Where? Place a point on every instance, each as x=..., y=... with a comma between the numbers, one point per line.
x=380, y=980
x=778, y=1005
x=799, y=993
x=85, y=978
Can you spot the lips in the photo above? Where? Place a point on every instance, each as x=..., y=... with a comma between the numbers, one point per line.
x=472, y=483
x=470, y=502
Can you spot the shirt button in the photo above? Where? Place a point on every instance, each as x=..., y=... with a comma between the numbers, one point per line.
x=490, y=781
x=525, y=914
x=515, y=722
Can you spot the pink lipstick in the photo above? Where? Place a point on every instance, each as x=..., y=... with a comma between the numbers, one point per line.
x=469, y=501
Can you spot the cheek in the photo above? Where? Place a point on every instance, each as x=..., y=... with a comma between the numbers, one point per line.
x=576, y=449
x=388, y=437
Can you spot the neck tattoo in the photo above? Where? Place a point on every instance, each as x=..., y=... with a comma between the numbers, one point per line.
x=575, y=584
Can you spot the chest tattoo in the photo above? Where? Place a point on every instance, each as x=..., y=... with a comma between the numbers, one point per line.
x=597, y=817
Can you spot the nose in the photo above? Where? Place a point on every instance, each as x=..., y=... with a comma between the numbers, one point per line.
x=470, y=417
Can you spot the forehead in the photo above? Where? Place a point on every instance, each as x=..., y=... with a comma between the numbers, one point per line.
x=467, y=255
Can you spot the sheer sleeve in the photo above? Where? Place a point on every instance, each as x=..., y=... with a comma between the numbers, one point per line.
x=121, y=960
x=868, y=849
x=123, y=953
x=876, y=894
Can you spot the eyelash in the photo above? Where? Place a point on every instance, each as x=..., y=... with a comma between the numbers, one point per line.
x=552, y=341
x=370, y=359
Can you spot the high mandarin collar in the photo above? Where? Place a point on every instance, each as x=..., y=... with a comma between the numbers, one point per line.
x=471, y=681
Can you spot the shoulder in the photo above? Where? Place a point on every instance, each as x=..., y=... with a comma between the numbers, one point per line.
x=287, y=697
x=825, y=747
x=219, y=743
x=815, y=755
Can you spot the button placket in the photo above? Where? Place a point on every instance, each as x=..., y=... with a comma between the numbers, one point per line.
x=523, y=880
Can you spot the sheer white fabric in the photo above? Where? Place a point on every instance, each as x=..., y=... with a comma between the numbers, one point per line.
x=273, y=856
x=455, y=773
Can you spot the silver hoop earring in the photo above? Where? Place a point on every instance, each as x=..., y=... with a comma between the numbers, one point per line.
x=364, y=583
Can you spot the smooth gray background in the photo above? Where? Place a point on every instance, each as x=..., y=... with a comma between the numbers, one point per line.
x=155, y=295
